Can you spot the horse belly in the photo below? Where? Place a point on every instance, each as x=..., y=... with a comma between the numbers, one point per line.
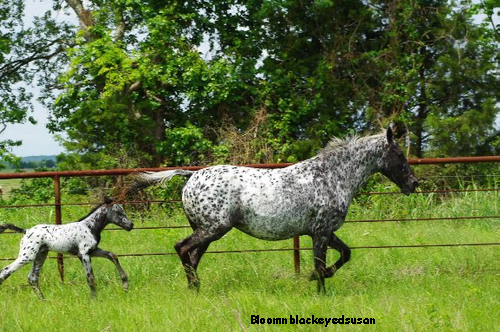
x=271, y=228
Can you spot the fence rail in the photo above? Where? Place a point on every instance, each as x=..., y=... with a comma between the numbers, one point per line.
x=57, y=175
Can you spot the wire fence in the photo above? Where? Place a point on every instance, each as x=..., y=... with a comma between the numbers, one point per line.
x=56, y=176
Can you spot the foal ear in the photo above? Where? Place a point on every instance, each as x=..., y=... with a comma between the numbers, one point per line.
x=390, y=134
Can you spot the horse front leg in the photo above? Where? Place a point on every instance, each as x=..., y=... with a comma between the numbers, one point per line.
x=345, y=255
x=89, y=273
x=112, y=257
x=319, y=247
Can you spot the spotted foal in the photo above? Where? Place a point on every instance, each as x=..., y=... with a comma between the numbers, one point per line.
x=79, y=238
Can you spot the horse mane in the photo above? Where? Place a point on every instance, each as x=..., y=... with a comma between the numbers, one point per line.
x=94, y=209
x=336, y=143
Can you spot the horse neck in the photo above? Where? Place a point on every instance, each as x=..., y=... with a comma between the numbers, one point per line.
x=354, y=163
x=96, y=221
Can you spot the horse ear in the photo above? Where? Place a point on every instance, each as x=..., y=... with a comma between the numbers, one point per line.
x=390, y=134
x=108, y=200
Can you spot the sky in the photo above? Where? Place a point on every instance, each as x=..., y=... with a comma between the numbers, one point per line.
x=36, y=139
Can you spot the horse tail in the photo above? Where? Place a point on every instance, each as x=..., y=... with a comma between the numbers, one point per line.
x=147, y=179
x=12, y=228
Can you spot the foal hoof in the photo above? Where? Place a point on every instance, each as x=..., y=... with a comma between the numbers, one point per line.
x=125, y=287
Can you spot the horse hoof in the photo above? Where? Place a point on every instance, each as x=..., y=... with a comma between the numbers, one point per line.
x=195, y=286
x=313, y=276
x=330, y=271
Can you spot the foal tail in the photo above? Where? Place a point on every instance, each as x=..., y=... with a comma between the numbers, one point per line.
x=12, y=228
x=148, y=179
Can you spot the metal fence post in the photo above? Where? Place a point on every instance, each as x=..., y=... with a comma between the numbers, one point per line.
x=296, y=254
x=57, y=203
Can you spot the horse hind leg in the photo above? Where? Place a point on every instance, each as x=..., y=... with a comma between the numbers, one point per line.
x=183, y=253
x=35, y=272
x=7, y=271
x=26, y=255
x=192, y=248
x=319, y=247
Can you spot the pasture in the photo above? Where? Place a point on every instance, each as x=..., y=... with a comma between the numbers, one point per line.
x=412, y=289
x=8, y=184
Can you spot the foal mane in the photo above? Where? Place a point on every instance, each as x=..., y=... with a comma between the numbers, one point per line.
x=107, y=201
x=94, y=209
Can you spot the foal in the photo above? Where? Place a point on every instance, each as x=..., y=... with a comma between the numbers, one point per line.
x=79, y=238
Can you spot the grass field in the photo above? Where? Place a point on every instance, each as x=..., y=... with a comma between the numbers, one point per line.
x=414, y=289
x=8, y=184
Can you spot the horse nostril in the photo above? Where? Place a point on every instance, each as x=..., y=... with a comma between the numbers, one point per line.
x=415, y=184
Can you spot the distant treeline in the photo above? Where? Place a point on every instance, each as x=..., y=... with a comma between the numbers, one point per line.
x=31, y=162
x=38, y=164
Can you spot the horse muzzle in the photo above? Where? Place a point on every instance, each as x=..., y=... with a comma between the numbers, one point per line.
x=407, y=190
x=129, y=226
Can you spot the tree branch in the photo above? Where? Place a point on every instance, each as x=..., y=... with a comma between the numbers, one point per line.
x=15, y=65
x=120, y=25
x=155, y=98
x=84, y=16
x=134, y=87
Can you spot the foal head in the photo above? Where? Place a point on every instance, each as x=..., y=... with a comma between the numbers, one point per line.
x=116, y=215
x=395, y=166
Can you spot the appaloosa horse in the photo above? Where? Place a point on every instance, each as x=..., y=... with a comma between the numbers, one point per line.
x=79, y=238
x=307, y=198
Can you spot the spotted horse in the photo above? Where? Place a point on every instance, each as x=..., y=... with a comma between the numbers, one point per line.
x=308, y=198
x=79, y=238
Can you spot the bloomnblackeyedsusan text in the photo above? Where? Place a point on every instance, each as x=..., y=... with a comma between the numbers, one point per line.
x=312, y=320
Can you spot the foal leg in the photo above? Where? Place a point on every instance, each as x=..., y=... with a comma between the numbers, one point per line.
x=319, y=246
x=112, y=257
x=13, y=267
x=89, y=273
x=345, y=255
x=35, y=272
x=27, y=254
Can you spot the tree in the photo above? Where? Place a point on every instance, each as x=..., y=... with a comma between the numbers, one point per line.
x=440, y=77
x=13, y=102
x=130, y=87
x=27, y=54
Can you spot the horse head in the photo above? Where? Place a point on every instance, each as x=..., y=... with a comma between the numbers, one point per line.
x=116, y=215
x=395, y=166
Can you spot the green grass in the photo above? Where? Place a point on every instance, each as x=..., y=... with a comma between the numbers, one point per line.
x=414, y=289
x=9, y=184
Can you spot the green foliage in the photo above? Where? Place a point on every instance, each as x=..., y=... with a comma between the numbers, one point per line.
x=33, y=191
x=131, y=77
x=185, y=146
x=14, y=104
